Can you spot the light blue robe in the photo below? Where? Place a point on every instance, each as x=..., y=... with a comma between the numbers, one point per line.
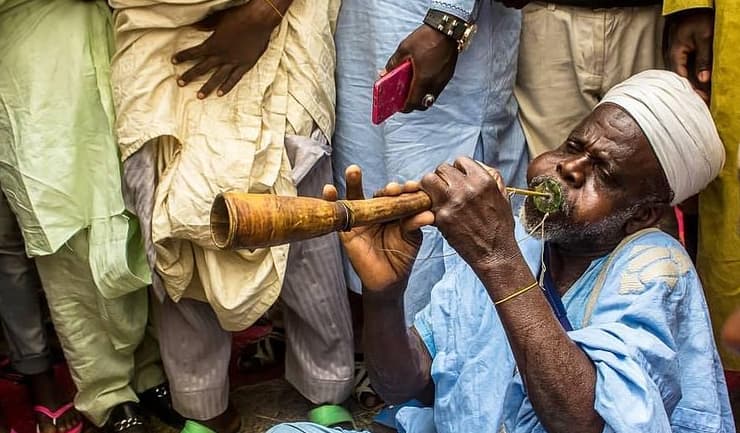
x=639, y=314
x=474, y=116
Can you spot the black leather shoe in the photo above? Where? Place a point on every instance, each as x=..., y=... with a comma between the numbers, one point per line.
x=127, y=418
x=157, y=402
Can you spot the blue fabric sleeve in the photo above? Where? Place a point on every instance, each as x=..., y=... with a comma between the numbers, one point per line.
x=465, y=9
x=307, y=427
x=650, y=340
x=627, y=397
x=416, y=420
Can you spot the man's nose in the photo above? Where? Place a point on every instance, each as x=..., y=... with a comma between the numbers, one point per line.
x=573, y=171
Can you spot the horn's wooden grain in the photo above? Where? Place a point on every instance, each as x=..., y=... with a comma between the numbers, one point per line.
x=247, y=221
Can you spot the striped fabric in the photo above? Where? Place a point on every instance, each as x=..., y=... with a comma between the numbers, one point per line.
x=196, y=350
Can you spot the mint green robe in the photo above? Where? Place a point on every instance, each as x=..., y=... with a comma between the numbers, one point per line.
x=59, y=162
x=60, y=170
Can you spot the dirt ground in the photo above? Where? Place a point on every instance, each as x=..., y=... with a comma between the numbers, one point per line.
x=264, y=402
x=268, y=403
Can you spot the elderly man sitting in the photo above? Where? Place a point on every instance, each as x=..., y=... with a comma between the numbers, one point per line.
x=600, y=326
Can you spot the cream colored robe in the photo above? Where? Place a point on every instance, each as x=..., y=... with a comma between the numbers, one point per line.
x=235, y=142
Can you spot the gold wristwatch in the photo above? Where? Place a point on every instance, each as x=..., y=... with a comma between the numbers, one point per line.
x=453, y=27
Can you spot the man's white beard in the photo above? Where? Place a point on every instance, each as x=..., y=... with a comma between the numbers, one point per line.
x=560, y=229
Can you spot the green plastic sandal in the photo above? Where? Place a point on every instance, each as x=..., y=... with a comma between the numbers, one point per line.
x=331, y=415
x=194, y=427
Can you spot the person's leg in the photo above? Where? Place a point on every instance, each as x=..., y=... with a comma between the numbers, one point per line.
x=99, y=336
x=20, y=311
x=195, y=350
x=196, y=353
x=150, y=382
x=20, y=314
x=148, y=370
x=559, y=71
x=138, y=186
x=633, y=43
x=319, y=359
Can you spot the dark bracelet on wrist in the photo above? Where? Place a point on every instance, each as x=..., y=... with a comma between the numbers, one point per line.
x=451, y=26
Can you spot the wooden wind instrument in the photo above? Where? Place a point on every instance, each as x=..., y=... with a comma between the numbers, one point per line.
x=247, y=221
x=242, y=220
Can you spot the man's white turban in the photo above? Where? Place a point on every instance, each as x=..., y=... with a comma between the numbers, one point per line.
x=678, y=125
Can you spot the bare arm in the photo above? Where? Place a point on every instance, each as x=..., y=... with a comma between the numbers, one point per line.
x=383, y=255
x=398, y=362
x=560, y=379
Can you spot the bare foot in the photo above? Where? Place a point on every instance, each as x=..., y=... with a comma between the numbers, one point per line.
x=45, y=393
x=227, y=422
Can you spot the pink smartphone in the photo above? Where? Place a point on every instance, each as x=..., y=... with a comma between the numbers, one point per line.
x=391, y=91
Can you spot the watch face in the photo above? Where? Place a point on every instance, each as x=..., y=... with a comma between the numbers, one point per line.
x=467, y=37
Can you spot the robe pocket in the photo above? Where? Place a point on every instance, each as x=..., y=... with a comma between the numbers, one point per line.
x=695, y=421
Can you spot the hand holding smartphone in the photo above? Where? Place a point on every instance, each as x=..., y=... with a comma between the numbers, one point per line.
x=391, y=91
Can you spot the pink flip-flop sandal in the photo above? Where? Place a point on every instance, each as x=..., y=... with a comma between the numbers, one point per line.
x=55, y=415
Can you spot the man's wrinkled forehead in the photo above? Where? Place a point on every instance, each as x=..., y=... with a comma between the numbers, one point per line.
x=611, y=130
x=611, y=121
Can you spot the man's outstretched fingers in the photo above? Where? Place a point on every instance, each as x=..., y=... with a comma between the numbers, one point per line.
x=234, y=78
x=221, y=74
x=189, y=54
x=679, y=60
x=411, y=186
x=392, y=189
x=704, y=55
x=329, y=193
x=353, y=177
x=201, y=68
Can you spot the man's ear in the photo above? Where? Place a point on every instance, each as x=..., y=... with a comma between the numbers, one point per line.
x=645, y=217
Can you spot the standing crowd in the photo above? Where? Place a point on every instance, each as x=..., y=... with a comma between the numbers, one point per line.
x=121, y=121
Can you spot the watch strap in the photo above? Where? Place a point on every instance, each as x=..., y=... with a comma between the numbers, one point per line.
x=447, y=24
